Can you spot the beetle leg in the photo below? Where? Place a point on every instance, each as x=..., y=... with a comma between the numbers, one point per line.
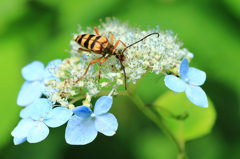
x=111, y=38
x=96, y=30
x=92, y=62
x=102, y=61
x=81, y=49
x=117, y=42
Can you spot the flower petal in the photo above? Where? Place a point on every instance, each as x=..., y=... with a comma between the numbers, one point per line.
x=196, y=76
x=174, y=83
x=40, y=108
x=25, y=112
x=106, y=124
x=38, y=133
x=103, y=104
x=197, y=96
x=80, y=131
x=58, y=116
x=82, y=111
x=29, y=92
x=23, y=127
x=18, y=141
x=50, y=69
x=183, y=68
x=33, y=71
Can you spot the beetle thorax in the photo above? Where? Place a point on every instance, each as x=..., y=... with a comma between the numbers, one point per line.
x=108, y=48
x=119, y=55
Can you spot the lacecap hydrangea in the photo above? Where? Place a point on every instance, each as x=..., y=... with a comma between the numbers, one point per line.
x=59, y=83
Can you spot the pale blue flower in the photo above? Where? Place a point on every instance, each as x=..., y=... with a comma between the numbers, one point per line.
x=191, y=79
x=37, y=118
x=84, y=126
x=18, y=141
x=36, y=76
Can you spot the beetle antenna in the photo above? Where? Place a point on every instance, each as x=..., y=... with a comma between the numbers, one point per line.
x=138, y=41
x=124, y=72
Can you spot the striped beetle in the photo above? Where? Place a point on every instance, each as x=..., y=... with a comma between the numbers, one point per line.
x=100, y=45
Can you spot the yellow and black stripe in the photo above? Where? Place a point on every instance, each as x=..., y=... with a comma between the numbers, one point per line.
x=91, y=42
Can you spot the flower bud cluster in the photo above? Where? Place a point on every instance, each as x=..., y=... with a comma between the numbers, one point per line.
x=154, y=54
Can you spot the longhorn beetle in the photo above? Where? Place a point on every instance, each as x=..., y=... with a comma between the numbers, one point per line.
x=100, y=45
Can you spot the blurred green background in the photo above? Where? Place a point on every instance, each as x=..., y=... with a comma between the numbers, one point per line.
x=41, y=30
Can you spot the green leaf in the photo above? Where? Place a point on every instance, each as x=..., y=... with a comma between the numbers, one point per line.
x=184, y=119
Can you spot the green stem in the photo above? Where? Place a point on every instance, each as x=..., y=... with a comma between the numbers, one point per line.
x=180, y=143
x=76, y=99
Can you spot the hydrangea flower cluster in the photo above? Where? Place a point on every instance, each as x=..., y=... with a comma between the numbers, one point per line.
x=59, y=83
